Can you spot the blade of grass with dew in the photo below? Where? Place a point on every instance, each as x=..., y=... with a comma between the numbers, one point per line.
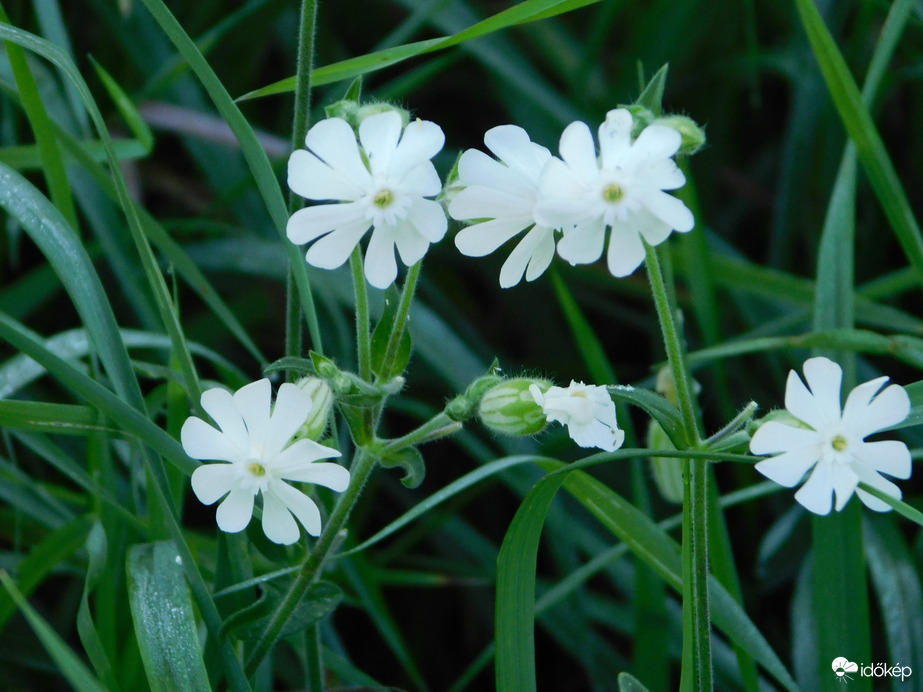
x=861, y=128
x=89, y=637
x=253, y=152
x=70, y=665
x=60, y=419
x=152, y=272
x=521, y=13
x=163, y=618
x=49, y=152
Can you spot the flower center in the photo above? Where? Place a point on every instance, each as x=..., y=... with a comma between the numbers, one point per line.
x=839, y=443
x=613, y=193
x=256, y=469
x=383, y=198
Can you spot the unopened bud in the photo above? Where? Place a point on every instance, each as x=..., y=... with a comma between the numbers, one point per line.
x=667, y=471
x=321, y=401
x=510, y=408
x=693, y=135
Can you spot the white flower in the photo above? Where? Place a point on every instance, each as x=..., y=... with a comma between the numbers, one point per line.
x=622, y=188
x=382, y=186
x=504, y=192
x=587, y=410
x=255, y=442
x=834, y=444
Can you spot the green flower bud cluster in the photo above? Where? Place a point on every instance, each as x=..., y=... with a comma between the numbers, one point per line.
x=321, y=402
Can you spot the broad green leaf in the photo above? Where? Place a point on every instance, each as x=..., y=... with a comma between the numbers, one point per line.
x=410, y=460
x=657, y=407
x=164, y=621
x=62, y=419
x=321, y=599
x=382, y=334
x=73, y=669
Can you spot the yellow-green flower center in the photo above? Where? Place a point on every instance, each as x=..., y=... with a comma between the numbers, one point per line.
x=383, y=198
x=613, y=192
x=257, y=469
x=839, y=443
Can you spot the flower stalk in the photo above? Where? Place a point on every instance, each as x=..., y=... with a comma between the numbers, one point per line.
x=400, y=322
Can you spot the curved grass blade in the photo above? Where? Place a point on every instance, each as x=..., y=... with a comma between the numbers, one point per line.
x=252, y=150
x=59, y=419
x=70, y=664
x=89, y=637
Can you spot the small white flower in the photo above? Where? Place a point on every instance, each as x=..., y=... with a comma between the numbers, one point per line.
x=587, y=410
x=504, y=192
x=382, y=186
x=255, y=443
x=834, y=445
x=622, y=188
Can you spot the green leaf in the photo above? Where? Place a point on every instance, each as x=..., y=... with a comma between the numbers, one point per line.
x=382, y=335
x=629, y=683
x=62, y=419
x=89, y=637
x=126, y=107
x=659, y=408
x=321, y=599
x=411, y=461
x=652, y=96
x=73, y=669
x=164, y=621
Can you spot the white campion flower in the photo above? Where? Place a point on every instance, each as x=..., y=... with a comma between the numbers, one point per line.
x=834, y=445
x=254, y=441
x=504, y=191
x=623, y=188
x=382, y=184
x=587, y=410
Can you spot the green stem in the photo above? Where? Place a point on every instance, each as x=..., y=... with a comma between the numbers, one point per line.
x=363, y=338
x=400, y=322
x=697, y=621
x=362, y=467
x=425, y=433
x=293, y=334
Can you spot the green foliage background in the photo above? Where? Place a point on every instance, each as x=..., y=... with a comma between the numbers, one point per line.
x=758, y=288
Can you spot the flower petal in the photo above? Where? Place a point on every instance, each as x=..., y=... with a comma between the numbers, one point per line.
x=334, y=142
x=483, y=238
x=879, y=483
x=292, y=460
x=289, y=413
x=327, y=474
x=773, y=436
x=662, y=174
x=235, y=512
x=615, y=138
x=584, y=243
x=219, y=404
x=789, y=468
x=667, y=208
x=211, y=482
x=511, y=144
x=379, y=135
x=313, y=179
x=579, y=152
x=300, y=505
x=817, y=494
x=654, y=142
x=845, y=481
x=652, y=229
x=626, y=250
x=534, y=251
x=825, y=378
x=421, y=141
x=410, y=243
x=428, y=217
x=278, y=523
x=422, y=180
x=380, y=265
x=310, y=223
x=202, y=441
x=558, y=182
x=253, y=401
x=480, y=202
x=889, y=408
x=334, y=249
x=886, y=456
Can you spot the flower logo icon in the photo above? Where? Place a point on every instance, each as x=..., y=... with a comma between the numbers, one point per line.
x=841, y=666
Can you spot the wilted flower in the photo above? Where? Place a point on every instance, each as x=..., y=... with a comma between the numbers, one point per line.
x=587, y=410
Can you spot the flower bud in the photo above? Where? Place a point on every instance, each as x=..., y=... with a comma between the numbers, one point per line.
x=667, y=471
x=693, y=135
x=510, y=408
x=321, y=401
x=354, y=113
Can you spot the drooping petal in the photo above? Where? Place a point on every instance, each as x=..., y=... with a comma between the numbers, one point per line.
x=789, y=468
x=380, y=264
x=816, y=495
x=667, y=208
x=299, y=456
x=334, y=142
x=483, y=238
x=289, y=413
x=584, y=243
x=278, y=523
x=626, y=250
x=313, y=179
x=889, y=408
x=579, y=152
x=219, y=404
x=534, y=252
x=253, y=401
x=773, y=436
x=334, y=249
x=311, y=223
x=211, y=482
x=202, y=441
x=421, y=141
x=300, y=505
x=379, y=135
x=235, y=512
x=885, y=456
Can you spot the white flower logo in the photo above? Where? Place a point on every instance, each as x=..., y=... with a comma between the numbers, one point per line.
x=841, y=666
